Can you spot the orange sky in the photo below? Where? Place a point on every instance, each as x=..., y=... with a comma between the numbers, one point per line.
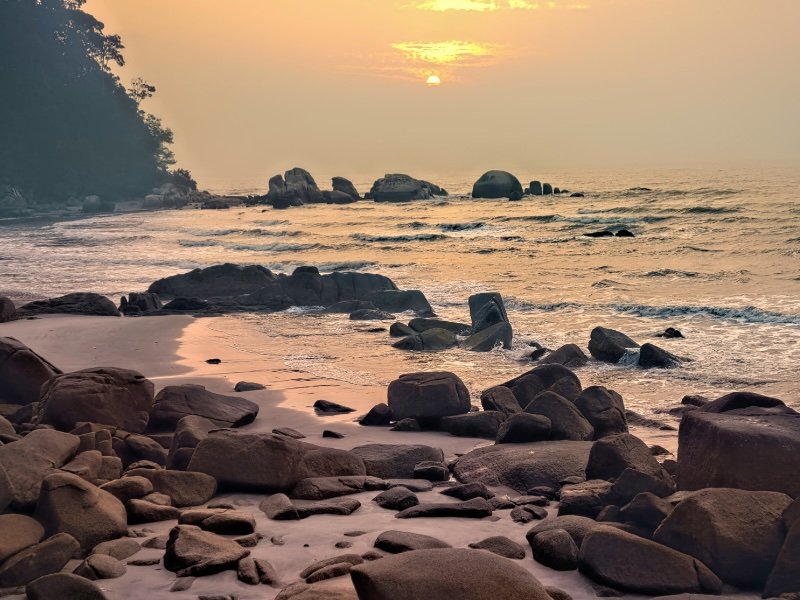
x=253, y=87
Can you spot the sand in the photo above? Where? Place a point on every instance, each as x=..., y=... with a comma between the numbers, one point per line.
x=173, y=350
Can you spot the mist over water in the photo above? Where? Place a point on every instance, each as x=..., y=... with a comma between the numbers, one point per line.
x=716, y=254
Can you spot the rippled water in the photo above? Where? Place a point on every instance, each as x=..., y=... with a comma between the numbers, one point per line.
x=716, y=254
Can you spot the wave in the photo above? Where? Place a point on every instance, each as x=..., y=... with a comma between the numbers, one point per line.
x=711, y=210
x=411, y=225
x=703, y=192
x=420, y=237
x=198, y=243
x=253, y=232
x=534, y=218
x=354, y=265
x=746, y=314
x=461, y=226
x=670, y=273
x=277, y=247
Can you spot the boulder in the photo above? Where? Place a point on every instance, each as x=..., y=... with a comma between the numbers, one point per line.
x=190, y=431
x=248, y=386
x=215, y=282
x=219, y=520
x=192, y=552
x=502, y=546
x=487, y=309
x=144, y=511
x=476, y=508
x=646, y=511
x=396, y=542
x=100, y=566
x=632, y=563
x=63, y=585
x=545, y=378
x=524, y=428
x=279, y=508
x=785, y=575
x=653, y=357
x=395, y=461
x=403, y=188
x=398, y=329
x=751, y=452
x=428, y=394
x=19, y=532
x=497, y=184
x=107, y=395
x=739, y=401
x=421, y=324
x=28, y=461
x=139, y=303
x=396, y=498
x=569, y=355
x=267, y=462
x=185, y=488
x=68, y=504
x=401, y=301
x=321, y=488
x=295, y=188
x=604, y=409
x=331, y=506
x=378, y=415
x=632, y=482
x=22, y=372
x=431, y=340
x=345, y=186
x=586, y=499
x=556, y=549
x=120, y=549
x=523, y=467
x=566, y=421
x=576, y=526
x=737, y=533
x=467, y=491
x=445, y=573
x=78, y=303
x=500, y=399
x=609, y=345
x=487, y=339
x=613, y=454
x=431, y=470
x=175, y=402
x=7, y=309
x=336, y=197
x=483, y=424
x=38, y=560
x=536, y=188
x=547, y=189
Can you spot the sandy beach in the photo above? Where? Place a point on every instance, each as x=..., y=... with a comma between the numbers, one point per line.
x=173, y=350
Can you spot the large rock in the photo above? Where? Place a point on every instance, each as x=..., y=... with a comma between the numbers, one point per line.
x=19, y=532
x=295, y=188
x=7, y=309
x=566, y=421
x=38, y=560
x=568, y=355
x=214, y=282
x=431, y=340
x=751, y=452
x=653, y=357
x=118, y=397
x=68, y=504
x=445, y=573
x=785, y=575
x=502, y=399
x=737, y=533
x=523, y=428
x=482, y=424
x=497, y=184
x=604, y=409
x=396, y=542
x=185, y=488
x=22, y=372
x=401, y=300
x=487, y=339
x=345, y=186
x=545, y=378
x=487, y=309
x=193, y=552
x=63, y=585
x=78, y=303
x=428, y=394
x=177, y=401
x=635, y=564
x=397, y=187
x=421, y=324
x=609, y=345
x=267, y=462
x=612, y=455
x=395, y=461
x=28, y=461
x=576, y=526
x=523, y=467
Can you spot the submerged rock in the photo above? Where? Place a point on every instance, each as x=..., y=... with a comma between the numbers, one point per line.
x=430, y=340
x=609, y=345
x=497, y=184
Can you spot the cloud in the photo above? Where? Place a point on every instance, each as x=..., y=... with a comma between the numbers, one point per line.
x=453, y=52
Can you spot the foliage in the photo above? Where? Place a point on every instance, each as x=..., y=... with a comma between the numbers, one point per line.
x=68, y=126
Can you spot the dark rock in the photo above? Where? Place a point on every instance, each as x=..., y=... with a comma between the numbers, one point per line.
x=182, y=304
x=535, y=188
x=395, y=542
x=100, y=566
x=785, y=575
x=144, y=511
x=578, y=528
x=651, y=356
x=22, y=372
x=120, y=549
x=78, y=303
x=646, y=511
x=738, y=401
x=63, y=585
x=419, y=325
x=398, y=187
x=670, y=333
x=613, y=454
x=755, y=452
x=632, y=482
x=502, y=399
x=431, y=340
x=331, y=506
x=38, y=560
x=526, y=514
x=289, y=433
x=395, y=461
x=321, y=488
x=247, y=386
x=221, y=521
x=398, y=329
x=128, y=488
x=545, y=378
x=604, y=409
x=326, y=406
x=279, y=508
x=396, y=498
x=586, y=499
x=194, y=552
x=483, y=424
x=502, y=546
x=185, y=488
x=327, y=433
x=265, y=462
x=295, y=188
x=177, y=401
x=609, y=345
x=485, y=340
x=345, y=186
x=470, y=574
x=407, y=425
x=523, y=466
x=336, y=197
x=487, y=309
x=524, y=428
x=569, y=355
x=7, y=309
x=467, y=491
x=737, y=533
x=477, y=508
x=343, y=559
x=628, y=562
x=379, y=415
x=577, y=195
x=19, y=532
x=497, y=184
x=547, y=189
x=428, y=394
x=566, y=421
x=556, y=549
x=370, y=314
x=599, y=234
x=349, y=306
x=401, y=300
x=138, y=303
x=431, y=471
x=624, y=233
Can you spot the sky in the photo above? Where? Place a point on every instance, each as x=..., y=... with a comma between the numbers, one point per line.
x=359, y=88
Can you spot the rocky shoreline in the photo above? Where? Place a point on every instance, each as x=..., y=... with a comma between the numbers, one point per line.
x=107, y=471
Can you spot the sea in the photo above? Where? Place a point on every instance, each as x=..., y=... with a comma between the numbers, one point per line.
x=716, y=254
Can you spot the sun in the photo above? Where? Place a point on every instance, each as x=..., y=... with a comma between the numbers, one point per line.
x=433, y=80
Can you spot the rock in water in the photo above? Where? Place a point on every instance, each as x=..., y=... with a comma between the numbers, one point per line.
x=631, y=563
x=486, y=340
x=536, y=188
x=403, y=188
x=428, y=394
x=497, y=184
x=431, y=340
x=401, y=301
x=651, y=356
x=345, y=186
x=177, y=401
x=609, y=345
x=193, y=552
x=445, y=573
x=295, y=188
x=68, y=504
x=737, y=533
x=569, y=355
x=79, y=303
x=110, y=396
x=22, y=372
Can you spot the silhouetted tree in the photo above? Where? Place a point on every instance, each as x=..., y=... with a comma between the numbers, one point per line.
x=68, y=127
